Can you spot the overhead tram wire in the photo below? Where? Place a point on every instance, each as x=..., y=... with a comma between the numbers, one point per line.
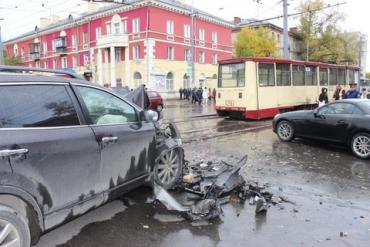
x=298, y=13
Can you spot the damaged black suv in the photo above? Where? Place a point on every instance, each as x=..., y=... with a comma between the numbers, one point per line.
x=68, y=146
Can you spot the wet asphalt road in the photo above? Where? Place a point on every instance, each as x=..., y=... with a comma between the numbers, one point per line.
x=329, y=187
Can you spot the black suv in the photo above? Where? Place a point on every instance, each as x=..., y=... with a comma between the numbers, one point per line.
x=68, y=146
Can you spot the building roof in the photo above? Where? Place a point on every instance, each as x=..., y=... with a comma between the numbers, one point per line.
x=116, y=8
x=258, y=23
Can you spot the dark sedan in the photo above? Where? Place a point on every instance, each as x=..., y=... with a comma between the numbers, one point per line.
x=343, y=122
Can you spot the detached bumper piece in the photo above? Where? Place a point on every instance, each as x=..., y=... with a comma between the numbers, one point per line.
x=206, y=187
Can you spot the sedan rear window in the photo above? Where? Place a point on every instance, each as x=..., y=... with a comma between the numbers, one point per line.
x=36, y=106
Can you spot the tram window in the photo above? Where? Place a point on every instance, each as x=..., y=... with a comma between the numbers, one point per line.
x=310, y=76
x=341, y=76
x=333, y=77
x=351, y=76
x=231, y=75
x=283, y=75
x=323, y=77
x=266, y=74
x=298, y=75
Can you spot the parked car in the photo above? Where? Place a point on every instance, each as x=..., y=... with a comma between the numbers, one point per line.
x=68, y=146
x=156, y=101
x=344, y=122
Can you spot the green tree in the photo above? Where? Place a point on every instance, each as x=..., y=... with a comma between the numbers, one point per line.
x=252, y=42
x=368, y=75
x=10, y=60
x=323, y=39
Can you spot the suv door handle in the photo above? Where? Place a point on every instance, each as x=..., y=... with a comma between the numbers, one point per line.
x=341, y=122
x=11, y=152
x=109, y=139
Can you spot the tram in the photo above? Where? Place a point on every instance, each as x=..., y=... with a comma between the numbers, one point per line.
x=257, y=88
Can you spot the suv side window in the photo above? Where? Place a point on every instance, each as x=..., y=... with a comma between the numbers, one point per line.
x=105, y=108
x=36, y=106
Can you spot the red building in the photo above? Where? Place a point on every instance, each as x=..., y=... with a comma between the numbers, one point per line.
x=147, y=42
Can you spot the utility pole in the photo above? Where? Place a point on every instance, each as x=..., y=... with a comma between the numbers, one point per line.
x=192, y=45
x=1, y=47
x=286, y=37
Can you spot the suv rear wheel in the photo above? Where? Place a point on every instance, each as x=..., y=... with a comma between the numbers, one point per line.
x=14, y=231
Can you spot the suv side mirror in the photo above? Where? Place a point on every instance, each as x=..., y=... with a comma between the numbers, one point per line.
x=151, y=116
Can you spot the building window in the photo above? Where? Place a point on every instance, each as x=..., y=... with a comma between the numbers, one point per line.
x=98, y=32
x=136, y=25
x=44, y=48
x=214, y=58
x=187, y=30
x=170, y=53
x=74, y=41
x=55, y=63
x=85, y=37
x=170, y=27
x=37, y=64
x=201, y=34
x=214, y=38
x=170, y=81
x=124, y=26
x=46, y=66
x=108, y=27
x=74, y=62
x=118, y=54
x=202, y=57
x=187, y=55
x=86, y=59
x=136, y=52
x=117, y=28
x=22, y=52
x=64, y=62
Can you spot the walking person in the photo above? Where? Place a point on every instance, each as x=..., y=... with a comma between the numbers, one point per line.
x=181, y=92
x=209, y=94
x=323, y=97
x=363, y=93
x=339, y=93
x=205, y=96
x=199, y=95
x=214, y=94
x=352, y=93
x=193, y=96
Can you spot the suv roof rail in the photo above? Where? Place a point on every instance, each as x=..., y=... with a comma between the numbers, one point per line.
x=15, y=69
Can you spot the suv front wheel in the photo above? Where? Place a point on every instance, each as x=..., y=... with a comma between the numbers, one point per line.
x=14, y=231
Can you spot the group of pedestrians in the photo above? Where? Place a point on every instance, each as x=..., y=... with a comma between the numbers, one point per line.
x=340, y=94
x=198, y=95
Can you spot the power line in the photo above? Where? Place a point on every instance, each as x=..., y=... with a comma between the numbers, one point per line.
x=298, y=13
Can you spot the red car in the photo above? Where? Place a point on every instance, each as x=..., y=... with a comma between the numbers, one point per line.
x=156, y=101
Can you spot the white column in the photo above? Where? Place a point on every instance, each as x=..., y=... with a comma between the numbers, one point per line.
x=113, y=82
x=127, y=67
x=100, y=67
x=106, y=65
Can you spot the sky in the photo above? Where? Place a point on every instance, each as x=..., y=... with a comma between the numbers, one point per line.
x=21, y=16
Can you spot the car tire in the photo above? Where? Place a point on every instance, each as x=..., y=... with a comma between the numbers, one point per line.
x=360, y=145
x=159, y=108
x=168, y=168
x=13, y=228
x=285, y=131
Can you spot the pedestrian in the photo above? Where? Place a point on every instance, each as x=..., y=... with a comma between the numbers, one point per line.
x=352, y=93
x=368, y=94
x=339, y=93
x=214, y=94
x=189, y=93
x=363, y=93
x=180, y=92
x=209, y=94
x=323, y=98
x=146, y=98
x=193, y=96
x=205, y=96
x=199, y=95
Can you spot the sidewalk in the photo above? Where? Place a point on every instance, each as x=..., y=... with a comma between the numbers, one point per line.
x=183, y=109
